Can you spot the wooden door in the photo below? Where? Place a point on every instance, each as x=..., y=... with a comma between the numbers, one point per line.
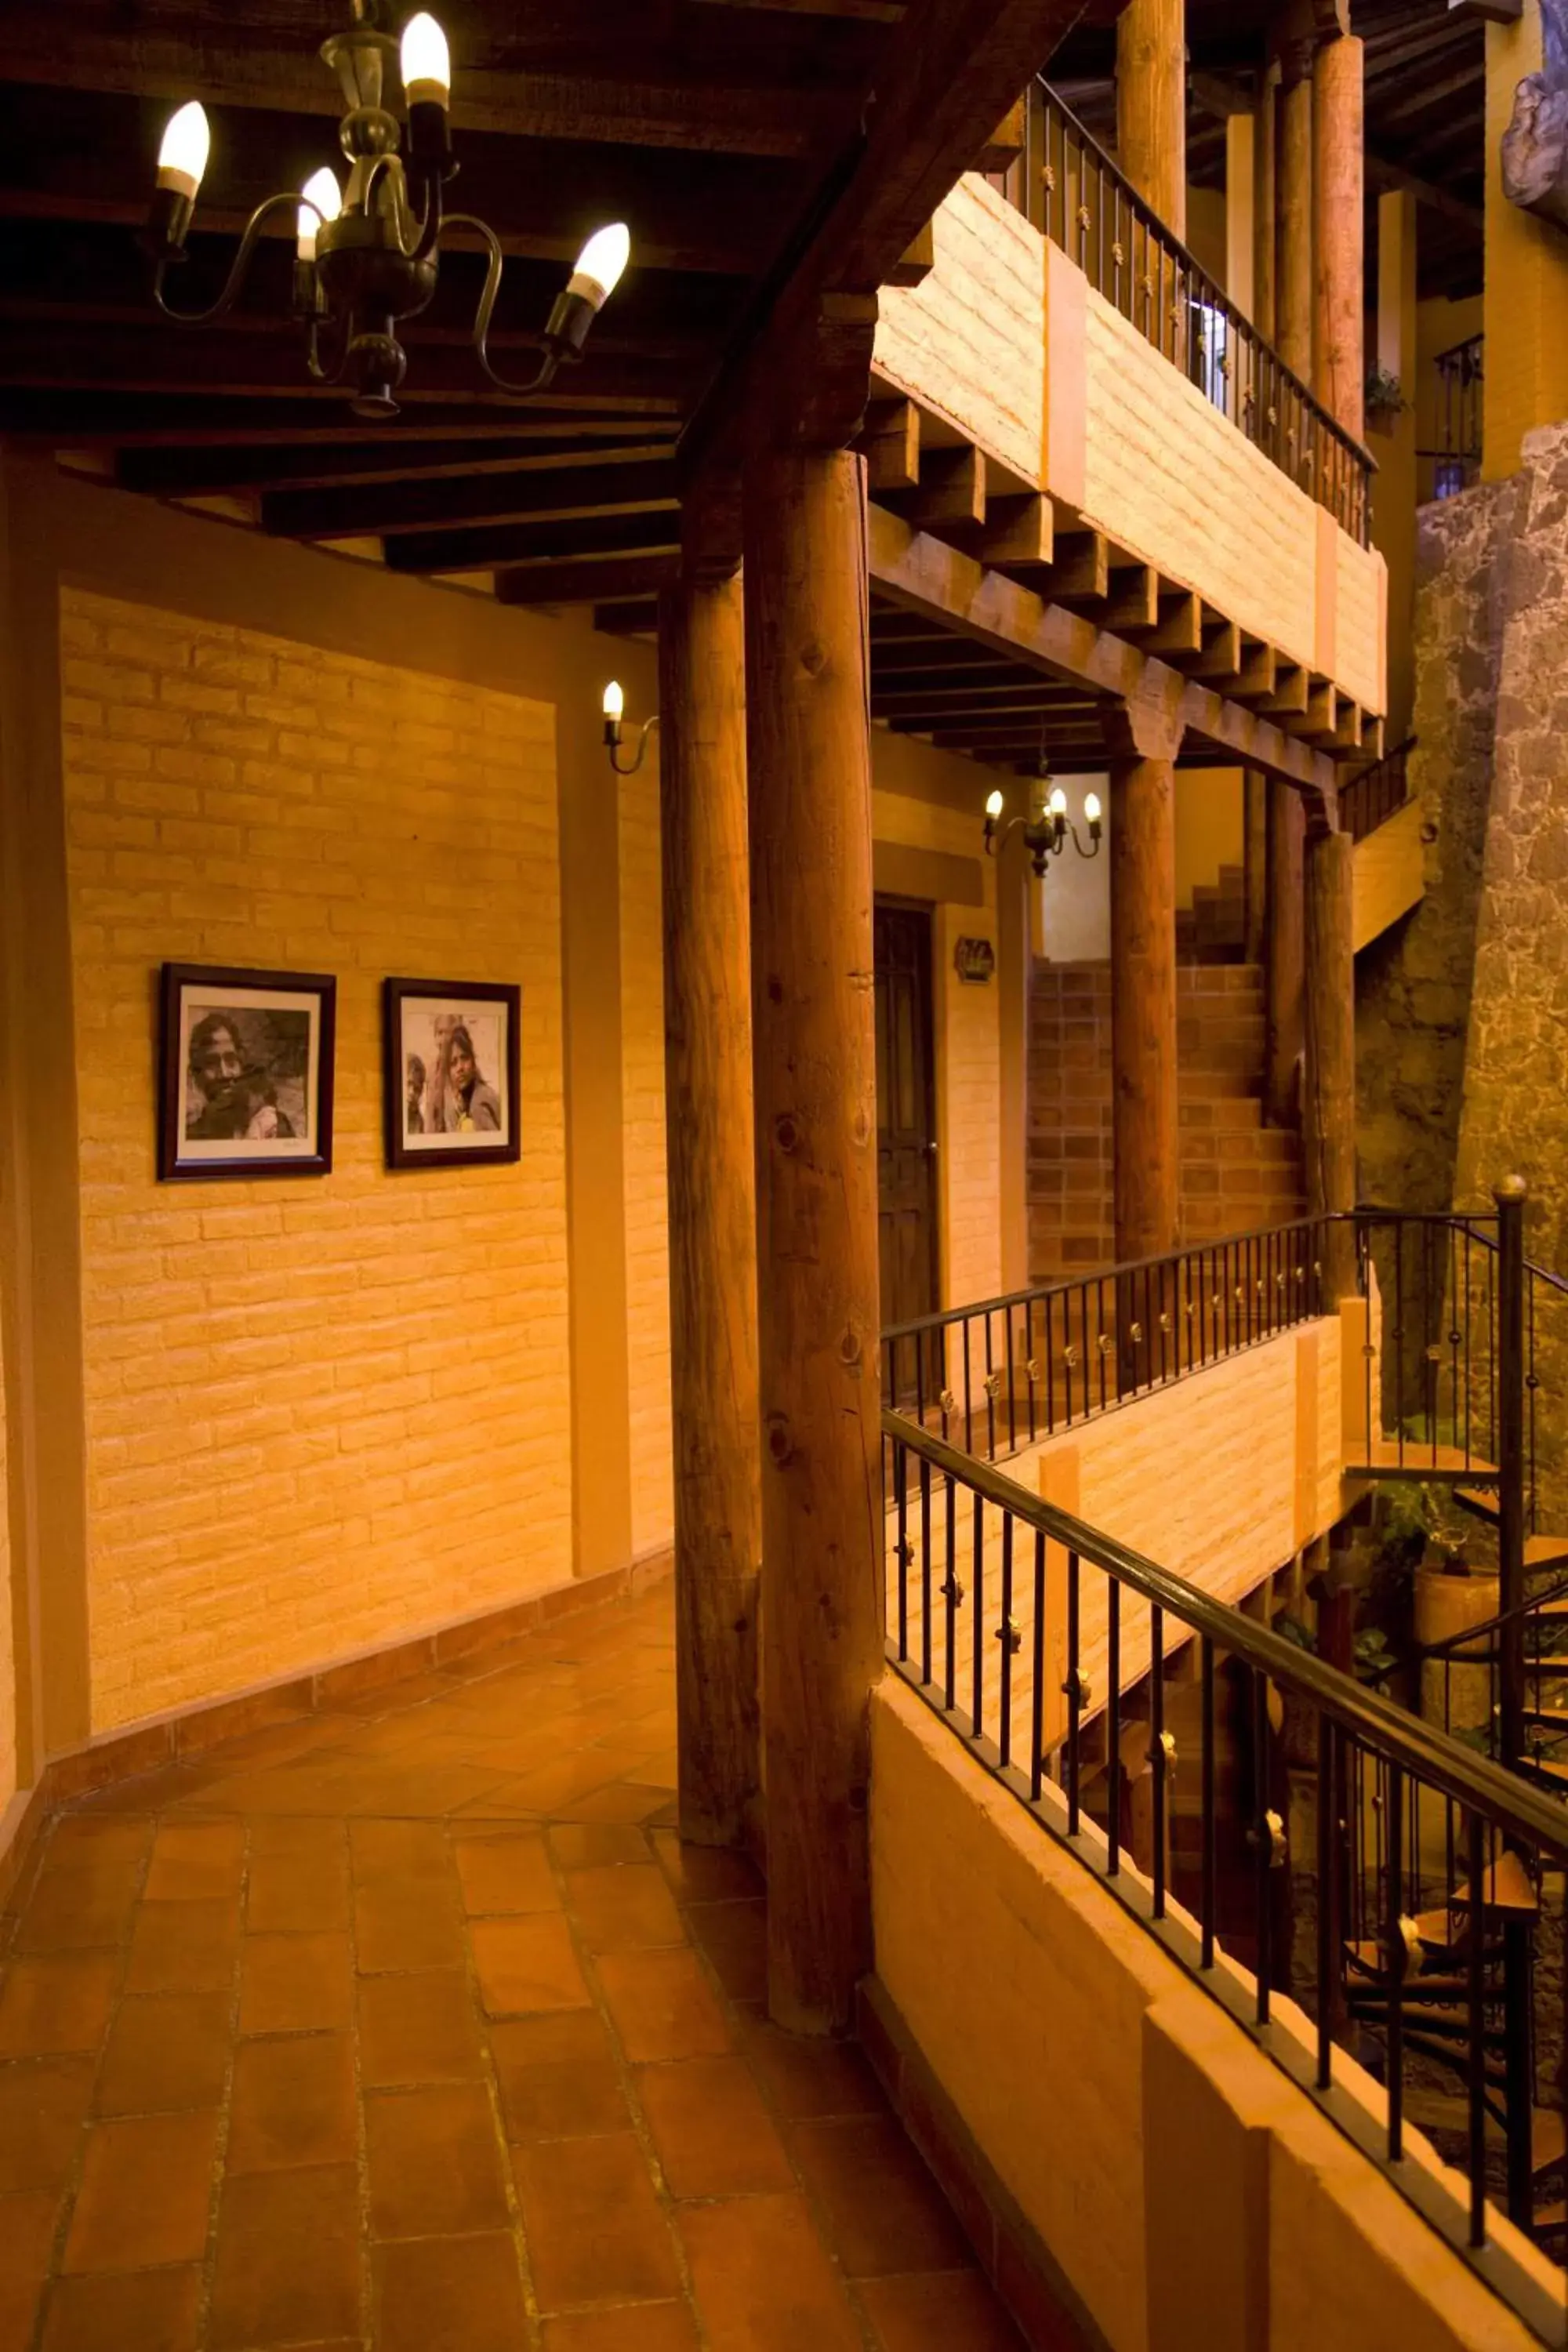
x=906, y=1120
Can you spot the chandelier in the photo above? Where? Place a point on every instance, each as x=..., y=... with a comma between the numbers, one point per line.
x=1047, y=829
x=367, y=254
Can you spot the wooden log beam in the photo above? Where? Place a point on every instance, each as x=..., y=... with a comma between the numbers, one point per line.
x=621, y=481
x=1338, y=333
x=712, y=1204
x=1151, y=105
x=890, y=444
x=587, y=580
x=926, y=576
x=1329, y=1119
x=814, y=1077
x=506, y=543
x=336, y=463
x=1142, y=742
x=1283, y=967
x=1294, y=282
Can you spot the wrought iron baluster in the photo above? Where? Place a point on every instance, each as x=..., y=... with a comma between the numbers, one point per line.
x=1006, y=1636
x=1393, y=1964
x=1477, y=2037
x=1037, y=1727
x=1074, y=1687
x=901, y=1505
x=1263, y=1821
x=925, y=1570
x=1158, y=1756
x=1206, y=1806
x=1113, y=1721
x=977, y=1622
x=949, y=1593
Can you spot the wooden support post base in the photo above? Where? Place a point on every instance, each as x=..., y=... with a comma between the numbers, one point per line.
x=1330, y=1049
x=712, y=1204
x=814, y=1077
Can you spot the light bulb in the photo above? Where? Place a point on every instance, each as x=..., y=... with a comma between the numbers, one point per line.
x=1058, y=804
x=615, y=700
x=323, y=202
x=426, y=62
x=600, y=264
x=1091, y=807
x=187, y=141
x=993, y=805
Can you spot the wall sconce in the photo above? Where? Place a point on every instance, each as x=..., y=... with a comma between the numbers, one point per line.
x=1047, y=828
x=614, y=730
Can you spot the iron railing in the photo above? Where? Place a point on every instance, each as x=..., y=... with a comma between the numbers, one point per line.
x=1456, y=460
x=1132, y=1713
x=1007, y=1371
x=1377, y=792
x=1141, y=268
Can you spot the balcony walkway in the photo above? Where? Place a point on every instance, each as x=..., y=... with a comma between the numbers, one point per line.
x=412, y=2026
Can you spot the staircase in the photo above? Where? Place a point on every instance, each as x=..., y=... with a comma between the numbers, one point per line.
x=1236, y=1173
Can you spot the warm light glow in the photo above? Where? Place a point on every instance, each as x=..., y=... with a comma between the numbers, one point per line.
x=615, y=700
x=993, y=805
x=426, y=61
x=1058, y=804
x=601, y=262
x=1091, y=807
x=187, y=141
x=323, y=198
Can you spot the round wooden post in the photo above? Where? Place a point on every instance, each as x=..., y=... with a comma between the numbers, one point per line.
x=1264, y=200
x=1255, y=861
x=1293, y=275
x=1151, y=105
x=1143, y=1005
x=712, y=1204
x=1283, y=952
x=815, y=1076
x=1330, y=1049
x=1338, y=336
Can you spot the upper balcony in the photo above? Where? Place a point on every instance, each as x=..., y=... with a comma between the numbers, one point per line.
x=1194, y=484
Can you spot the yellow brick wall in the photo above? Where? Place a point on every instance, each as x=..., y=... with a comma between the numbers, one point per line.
x=647, y=1200
x=1526, y=292
x=965, y=342
x=1361, y=622
x=323, y=1412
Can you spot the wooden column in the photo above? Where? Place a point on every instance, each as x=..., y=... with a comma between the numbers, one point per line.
x=814, y=1075
x=1338, y=333
x=1330, y=1123
x=1265, y=201
x=1255, y=861
x=1144, y=1137
x=1293, y=279
x=1286, y=833
x=1240, y=212
x=1151, y=105
x=713, y=1203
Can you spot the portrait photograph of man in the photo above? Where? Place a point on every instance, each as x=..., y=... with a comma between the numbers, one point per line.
x=451, y=1072
x=247, y=1073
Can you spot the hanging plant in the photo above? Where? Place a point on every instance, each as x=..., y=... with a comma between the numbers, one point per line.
x=1386, y=400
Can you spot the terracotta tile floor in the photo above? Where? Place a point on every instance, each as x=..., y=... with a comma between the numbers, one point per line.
x=413, y=2026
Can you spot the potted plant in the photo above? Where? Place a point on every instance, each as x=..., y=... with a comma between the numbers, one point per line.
x=1386, y=400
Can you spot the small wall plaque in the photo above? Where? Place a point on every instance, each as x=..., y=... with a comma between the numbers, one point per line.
x=975, y=961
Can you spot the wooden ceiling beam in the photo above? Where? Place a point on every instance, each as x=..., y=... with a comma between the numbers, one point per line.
x=623, y=481
x=483, y=548
x=394, y=456
x=294, y=418
x=588, y=579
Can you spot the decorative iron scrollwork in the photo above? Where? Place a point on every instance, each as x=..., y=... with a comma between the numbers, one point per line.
x=1010, y=1634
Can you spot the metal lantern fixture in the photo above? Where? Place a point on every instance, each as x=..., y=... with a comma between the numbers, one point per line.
x=614, y=704
x=1047, y=828
x=366, y=256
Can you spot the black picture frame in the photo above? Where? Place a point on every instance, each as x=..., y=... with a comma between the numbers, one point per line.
x=407, y=1012
x=270, y=1088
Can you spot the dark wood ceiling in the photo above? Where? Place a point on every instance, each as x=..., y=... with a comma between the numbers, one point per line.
x=1425, y=108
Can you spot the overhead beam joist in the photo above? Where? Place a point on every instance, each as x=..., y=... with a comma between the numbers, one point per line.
x=621, y=480
x=928, y=577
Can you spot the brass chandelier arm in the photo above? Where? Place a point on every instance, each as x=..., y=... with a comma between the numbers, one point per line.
x=635, y=762
x=287, y=200
x=549, y=360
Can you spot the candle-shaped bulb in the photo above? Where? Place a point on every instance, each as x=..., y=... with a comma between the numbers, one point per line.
x=1058, y=804
x=323, y=201
x=426, y=62
x=994, y=806
x=182, y=156
x=600, y=264
x=615, y=700
x=1092, y=808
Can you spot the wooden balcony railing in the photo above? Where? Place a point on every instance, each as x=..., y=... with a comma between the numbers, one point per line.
x=1077, y=196
x=1378, y=792
x=1455, y=456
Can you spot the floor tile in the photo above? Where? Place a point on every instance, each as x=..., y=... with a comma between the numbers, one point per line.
x=558, y=2076
x=585, y=1845
x=939, y=2312
x=298, y=1839
x=146, y=2187
x=435, y=2162
x=506, y=1873
x=398, y=1852
x=406, y=1923
x=189, y=1946
x=734, y=1940
x=449, y=2295
x=294, y=1984
x=81, y=1910
x=625, y=1908
x=663, y=2006
x=594, y=2228
x=762, y=2279
x=418, y=2028
x=80, y=1838
x=195, y=1860
x=42, y=2103
x=26, y=2240
x=704, y=1874
x=144, y=2311
x=288, y=2262
x=527, y=1964
x=804, y=2078
x=634, y=2327
x=300, y=1893
x=293, y=2103
x=54, y=2004
x=714, y=2135
x=165, y=2051
x=885, y=2211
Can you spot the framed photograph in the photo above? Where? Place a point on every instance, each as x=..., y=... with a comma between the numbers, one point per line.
x=451, y=1077
x=244, y=1081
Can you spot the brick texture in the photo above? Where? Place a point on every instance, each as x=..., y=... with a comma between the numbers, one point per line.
x=966, y=341
x=323, y=1412
x=647, y=1200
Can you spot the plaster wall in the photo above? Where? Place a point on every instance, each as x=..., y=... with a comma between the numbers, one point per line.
x=1526, y=285
x=1184, y=2189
